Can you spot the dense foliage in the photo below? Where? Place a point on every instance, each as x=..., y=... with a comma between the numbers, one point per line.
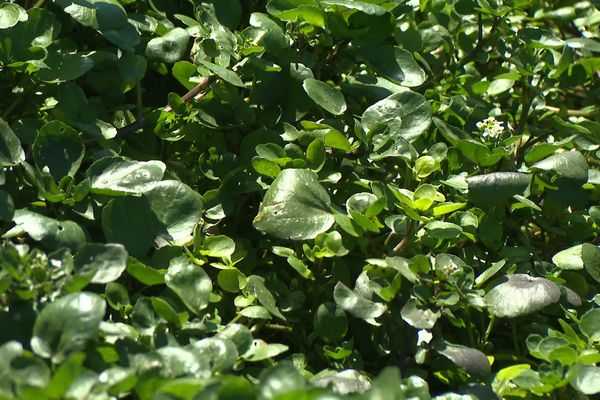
x=299, y=199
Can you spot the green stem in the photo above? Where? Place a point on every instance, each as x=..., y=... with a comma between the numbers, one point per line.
x=235, y=319
x=515, y=338
x=469, y=327
x=488, y=331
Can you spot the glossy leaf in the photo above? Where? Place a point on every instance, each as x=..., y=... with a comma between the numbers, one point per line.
x=521, y=294
x=177, y=207
x=325, y=96
x=59, y=149
x=116, y=175
x=67, y=325
x=296, y=206
x=496, y=188
x=191, y=284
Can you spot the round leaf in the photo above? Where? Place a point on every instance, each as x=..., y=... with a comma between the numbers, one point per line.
x=496, y=188
x=295, y=207
x=472, y=360
x=170, y=47
x=11, y=14
x=587, y=380
x=569, y=164
x=357, y=305
x=191, y=284
x=590, y=324
x=131, y=222
x=67, y=324
x=521, y=294
x=103, y=262
x=58, y=148
x=325, y=96
x=420, y=318
x=116, y=175
x=330, y=322
x=177, y=207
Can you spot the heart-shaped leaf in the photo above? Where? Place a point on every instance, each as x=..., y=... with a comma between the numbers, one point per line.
x=295, y=207
x=67, y=324
x=190, y=283
x=58, y=148
x=521, y=294
x=177, y=207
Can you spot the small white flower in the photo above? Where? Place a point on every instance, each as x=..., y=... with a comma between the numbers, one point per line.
x=490, y=127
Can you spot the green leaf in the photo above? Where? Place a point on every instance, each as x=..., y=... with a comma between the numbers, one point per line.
x=569, y=164
x=443, y=230
x=497, y=188
x=362, y=6
x=107, y=17
x=591, y=260
x=169, y=48
x=223, y=73
x=117, y=176
x=356, y=304
x=590, y=324
x=295, y=207
x=498, y=86
x=67, y=324
x=58, y=148
x=177, y=207
x=266, y=167
x=183, y=71
x=145, y=274
x=316, y=154
x=330, y=322
x=131, y=222
x=472, y=360
x=521, y=294
x=394, y=63
x=222, y=353
x=7, y=206
x=256, y=286
x=64, y=67
x=419, y=317
x=191, y=284
x=102, y=262
x=218, y=246
x=52, y=233
x=239, y=334
x=259, y=350
x=406, y=115
x=256, y=312
x=11, y=14
x=587, y=379
x=479, y=153
x=11, y=152
x=325, y=96
x=294, y=10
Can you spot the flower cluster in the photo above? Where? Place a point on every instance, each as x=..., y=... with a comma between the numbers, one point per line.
x=490, y=127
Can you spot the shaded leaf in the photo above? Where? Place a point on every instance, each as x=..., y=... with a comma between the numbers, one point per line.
x=67, y=324
x=191, y=284
x=325, y=96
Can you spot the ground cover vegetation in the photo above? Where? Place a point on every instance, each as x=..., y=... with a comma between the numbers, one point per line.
x=299, y=199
